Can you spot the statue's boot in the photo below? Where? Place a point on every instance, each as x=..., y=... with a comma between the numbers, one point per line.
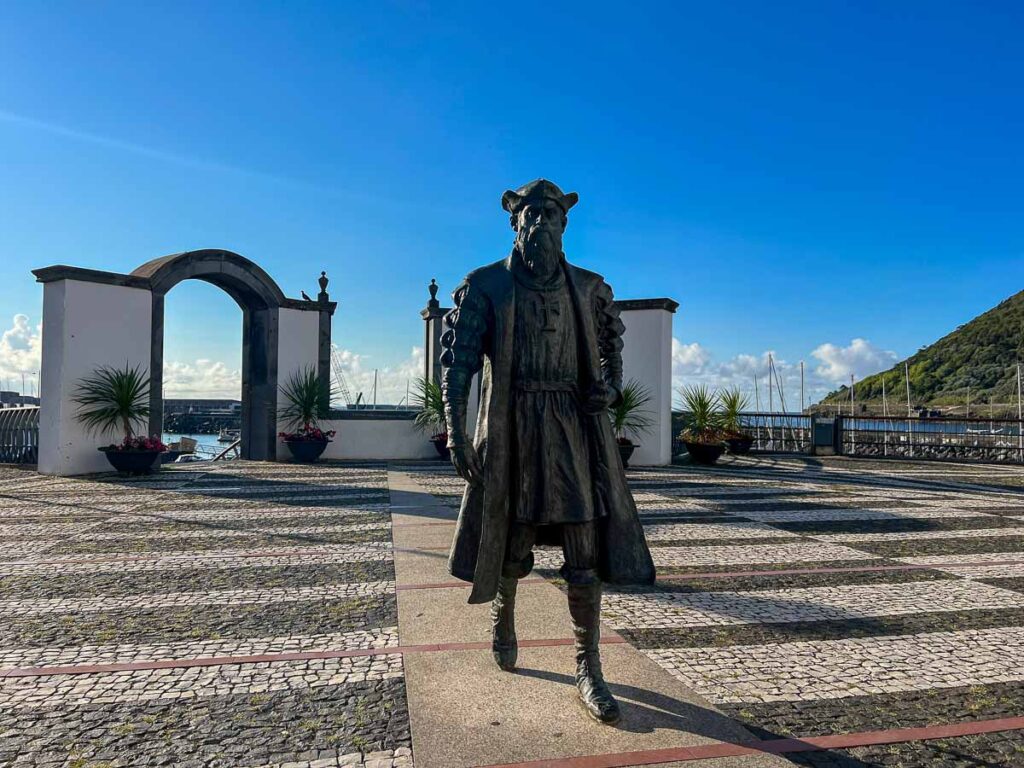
x=585, y=610
x=504, y=644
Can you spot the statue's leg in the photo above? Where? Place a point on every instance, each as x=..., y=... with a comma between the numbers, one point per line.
x=579, y=543
x=518, y=563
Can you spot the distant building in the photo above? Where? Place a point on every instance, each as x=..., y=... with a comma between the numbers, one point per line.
x=10, y=399
x=202, y=405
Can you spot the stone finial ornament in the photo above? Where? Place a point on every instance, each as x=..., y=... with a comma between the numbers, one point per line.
x=322, y=296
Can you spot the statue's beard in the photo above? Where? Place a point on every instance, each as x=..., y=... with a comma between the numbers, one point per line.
x=540, y=249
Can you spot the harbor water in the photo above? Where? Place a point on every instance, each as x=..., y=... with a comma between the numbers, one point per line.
x=207, y=445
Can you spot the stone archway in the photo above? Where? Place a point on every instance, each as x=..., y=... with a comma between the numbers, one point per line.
x=93, y=318
x=259, y=298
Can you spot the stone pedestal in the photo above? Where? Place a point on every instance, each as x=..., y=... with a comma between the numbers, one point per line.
x=432, y=317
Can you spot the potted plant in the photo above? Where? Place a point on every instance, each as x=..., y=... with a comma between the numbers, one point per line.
x=734, y=403
x=114, y=399
x=703, y=432
x=305, y=402
x=630, y=416
x=430, y=417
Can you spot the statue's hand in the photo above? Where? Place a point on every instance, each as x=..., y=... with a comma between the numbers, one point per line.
x=599, y=398
x=467, y=463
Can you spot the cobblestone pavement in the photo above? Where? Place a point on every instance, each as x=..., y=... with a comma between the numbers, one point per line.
x=254, y=602
x=256, y=606
x=816, y=597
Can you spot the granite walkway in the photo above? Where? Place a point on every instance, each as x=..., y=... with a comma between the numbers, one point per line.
x=465, y=712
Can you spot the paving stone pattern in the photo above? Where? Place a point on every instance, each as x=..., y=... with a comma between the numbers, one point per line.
x=232, y=561
x=803, y=598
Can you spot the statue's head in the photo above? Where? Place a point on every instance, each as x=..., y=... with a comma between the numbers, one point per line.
x=538, y=212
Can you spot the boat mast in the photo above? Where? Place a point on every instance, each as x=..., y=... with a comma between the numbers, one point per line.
x=1020, y=417
x=802, y=407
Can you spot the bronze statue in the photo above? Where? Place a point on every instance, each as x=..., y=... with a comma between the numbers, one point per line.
x=544, y=466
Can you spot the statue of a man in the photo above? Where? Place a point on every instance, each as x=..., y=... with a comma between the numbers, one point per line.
x=544, y=466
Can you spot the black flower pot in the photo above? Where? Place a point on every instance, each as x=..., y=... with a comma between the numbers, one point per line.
x=131, y=462
x=441, y=446
x=739, y=446
x=625, y=451
x=705, y=453
x=306, y=451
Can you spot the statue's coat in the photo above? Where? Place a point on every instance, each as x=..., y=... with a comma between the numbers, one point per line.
x=479, y=334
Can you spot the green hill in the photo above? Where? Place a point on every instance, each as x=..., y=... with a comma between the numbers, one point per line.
x=981, y=355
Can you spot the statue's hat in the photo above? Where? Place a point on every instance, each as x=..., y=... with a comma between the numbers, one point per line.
x=541, y=189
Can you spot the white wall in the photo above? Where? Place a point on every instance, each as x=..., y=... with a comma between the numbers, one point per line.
x=647, y=356
x=85, y=326
x=298, y=347
x=375, y=439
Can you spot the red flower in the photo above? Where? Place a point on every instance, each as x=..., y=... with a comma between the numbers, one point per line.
x=308, y=432
x=139, y=443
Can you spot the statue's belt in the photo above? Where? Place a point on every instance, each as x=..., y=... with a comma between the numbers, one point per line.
x=532, y=385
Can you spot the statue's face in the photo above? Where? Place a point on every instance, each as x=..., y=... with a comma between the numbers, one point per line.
x=539, y=227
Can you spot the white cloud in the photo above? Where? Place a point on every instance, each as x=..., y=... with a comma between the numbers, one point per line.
x=861, y=358
x=694, y=364
x=20, y=354
x=393, y=382
x=210, y=378
x=688, y=358
x=201, y=378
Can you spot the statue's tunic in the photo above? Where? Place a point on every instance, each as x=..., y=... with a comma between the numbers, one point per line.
x=479, y=337
x=550, y=471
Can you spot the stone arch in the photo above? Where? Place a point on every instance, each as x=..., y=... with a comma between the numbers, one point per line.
x=92, y=318
x=259, y=298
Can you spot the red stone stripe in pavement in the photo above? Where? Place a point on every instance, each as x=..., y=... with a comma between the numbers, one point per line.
x=216, y=661
x=773, y=746
x=854, y=569
x=443, y=585
x=194, y=555
x=457, y=584
x=735, y=574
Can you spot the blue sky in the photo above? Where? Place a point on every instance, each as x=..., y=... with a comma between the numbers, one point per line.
x=796, y=175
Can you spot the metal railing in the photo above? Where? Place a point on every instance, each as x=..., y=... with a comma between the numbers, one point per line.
x=19, y=435
x=771, y=433
x=235, y=451
x=779, y=432
x=994, y=440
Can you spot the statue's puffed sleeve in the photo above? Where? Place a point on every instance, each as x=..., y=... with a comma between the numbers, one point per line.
x=609, y=338
x=461, y=356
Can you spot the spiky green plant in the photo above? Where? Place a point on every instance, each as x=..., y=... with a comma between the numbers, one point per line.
x=306, y=400
x=113, y=399
x=629, y=414
x=734, y=403
x=701, y=415
x=430, y=400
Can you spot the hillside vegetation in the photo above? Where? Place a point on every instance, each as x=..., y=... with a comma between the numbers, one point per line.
x=980, y=355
